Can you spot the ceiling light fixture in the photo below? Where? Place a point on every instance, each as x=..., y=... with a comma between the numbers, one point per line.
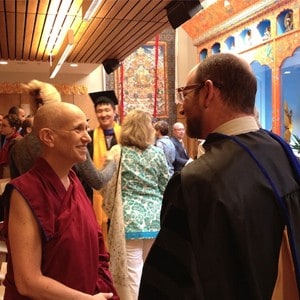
x=89, y=7
x=57, y=24
x=3, y=62
x=63, y=53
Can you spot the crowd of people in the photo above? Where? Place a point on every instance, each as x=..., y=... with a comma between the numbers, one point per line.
x=122, y=211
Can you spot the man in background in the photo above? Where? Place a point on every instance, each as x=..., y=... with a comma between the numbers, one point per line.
x=163, y=141
x=106, y=135
x=10, y=129
x=18, y=111
x=181, y=156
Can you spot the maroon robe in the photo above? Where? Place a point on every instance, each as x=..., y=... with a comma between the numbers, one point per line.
x=73, y=251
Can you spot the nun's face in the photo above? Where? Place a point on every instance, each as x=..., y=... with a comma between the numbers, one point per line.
x=105, y=114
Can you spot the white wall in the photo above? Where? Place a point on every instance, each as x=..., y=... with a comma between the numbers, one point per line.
x=186, y=56
x=91, y=76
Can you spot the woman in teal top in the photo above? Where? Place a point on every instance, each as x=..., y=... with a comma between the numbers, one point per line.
x=133, y=201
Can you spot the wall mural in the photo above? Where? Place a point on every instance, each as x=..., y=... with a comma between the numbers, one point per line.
x=64, y=89
x=143, y=72
x=290, y=95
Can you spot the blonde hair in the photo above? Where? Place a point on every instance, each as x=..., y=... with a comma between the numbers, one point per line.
x=137, y=130
x=41, y=93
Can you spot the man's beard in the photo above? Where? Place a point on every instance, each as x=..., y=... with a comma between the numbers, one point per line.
x=193, y=129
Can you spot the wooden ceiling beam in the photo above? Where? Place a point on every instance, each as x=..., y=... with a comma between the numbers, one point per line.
x=119, y=27
x=11, y=28
x=20, y=25
x=3, y=32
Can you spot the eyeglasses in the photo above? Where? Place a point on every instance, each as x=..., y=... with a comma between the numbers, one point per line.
x=182, y=91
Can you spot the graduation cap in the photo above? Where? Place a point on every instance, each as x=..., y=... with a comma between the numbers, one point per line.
x=108, y=97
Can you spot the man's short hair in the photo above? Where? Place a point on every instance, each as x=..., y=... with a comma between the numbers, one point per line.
x=162, y=127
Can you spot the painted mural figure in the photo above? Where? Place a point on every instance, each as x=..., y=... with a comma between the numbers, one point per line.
x=248, y=38
x=142, y=76
x=267, y=33
x=288, y=21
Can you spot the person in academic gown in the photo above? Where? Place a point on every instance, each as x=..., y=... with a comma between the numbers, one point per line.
x=104, y=137
x=231, y=219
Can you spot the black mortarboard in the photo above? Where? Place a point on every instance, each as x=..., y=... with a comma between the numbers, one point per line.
x=104, y=96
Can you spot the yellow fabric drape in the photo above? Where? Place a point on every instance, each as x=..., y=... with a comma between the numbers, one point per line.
x=99, y=150
x=286, y=285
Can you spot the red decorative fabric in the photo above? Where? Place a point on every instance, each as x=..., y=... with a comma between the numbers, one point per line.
x=155, y=76
x=122, y=92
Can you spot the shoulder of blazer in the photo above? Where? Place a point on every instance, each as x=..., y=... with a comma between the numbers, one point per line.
x=175, y=141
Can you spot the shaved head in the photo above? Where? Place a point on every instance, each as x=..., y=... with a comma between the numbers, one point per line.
x=55, y=115
x=62, y=130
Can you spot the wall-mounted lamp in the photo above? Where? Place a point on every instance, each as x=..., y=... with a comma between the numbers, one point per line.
x=88, y=8
x=63, y=53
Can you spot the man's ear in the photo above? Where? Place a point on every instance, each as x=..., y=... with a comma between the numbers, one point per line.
x=209, y=87
x=46, y=136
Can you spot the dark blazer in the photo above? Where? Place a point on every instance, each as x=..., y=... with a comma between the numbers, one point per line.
x=181, y=156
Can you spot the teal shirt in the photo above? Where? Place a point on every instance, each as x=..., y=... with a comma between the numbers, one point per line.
x=144, y=178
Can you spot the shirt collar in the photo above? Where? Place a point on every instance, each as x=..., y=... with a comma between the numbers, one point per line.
x=238, y=126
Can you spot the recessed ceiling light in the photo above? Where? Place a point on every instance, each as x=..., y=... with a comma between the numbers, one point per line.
x=73, y=65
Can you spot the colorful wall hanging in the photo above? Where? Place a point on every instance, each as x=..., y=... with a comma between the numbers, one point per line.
x=143, y=80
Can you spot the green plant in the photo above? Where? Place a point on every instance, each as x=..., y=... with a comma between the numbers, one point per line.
x=296, y=145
